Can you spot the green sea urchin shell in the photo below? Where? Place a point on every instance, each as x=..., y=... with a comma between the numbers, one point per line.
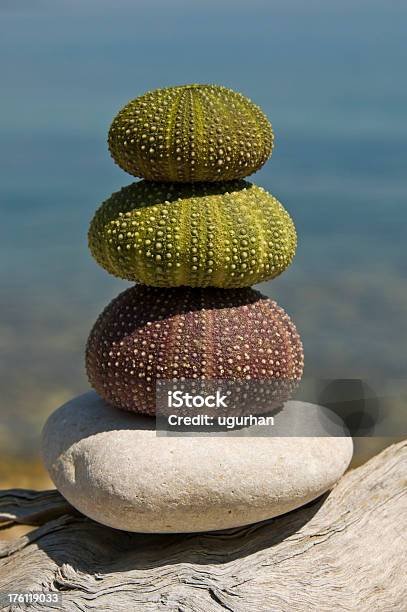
x=191, y=133
x=208, y=234
x=148, y=333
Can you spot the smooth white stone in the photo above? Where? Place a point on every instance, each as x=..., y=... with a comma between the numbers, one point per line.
x=112, y=466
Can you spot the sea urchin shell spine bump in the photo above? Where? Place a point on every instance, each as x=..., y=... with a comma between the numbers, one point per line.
x=208, y=234
x=191, y=133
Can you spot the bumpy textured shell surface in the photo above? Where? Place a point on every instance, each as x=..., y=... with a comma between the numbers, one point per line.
x=148, y=333
x=204, y=234
x=190, y=133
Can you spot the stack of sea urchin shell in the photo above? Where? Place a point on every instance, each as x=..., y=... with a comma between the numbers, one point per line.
x=196, y=236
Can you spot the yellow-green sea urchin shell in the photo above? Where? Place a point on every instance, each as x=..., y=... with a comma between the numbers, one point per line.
x=203, y=234
x=191, y=133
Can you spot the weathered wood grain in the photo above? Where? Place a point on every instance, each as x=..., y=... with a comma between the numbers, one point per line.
x=345, y=551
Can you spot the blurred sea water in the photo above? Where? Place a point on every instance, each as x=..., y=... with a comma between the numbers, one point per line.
x=331, y=77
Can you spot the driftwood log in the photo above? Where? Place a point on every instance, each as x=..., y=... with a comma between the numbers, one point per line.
x=345, y=551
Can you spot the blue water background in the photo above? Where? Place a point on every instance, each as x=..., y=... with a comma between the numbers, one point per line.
x=332, y=78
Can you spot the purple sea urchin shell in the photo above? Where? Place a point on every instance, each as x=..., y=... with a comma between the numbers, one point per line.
x=147, y=333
